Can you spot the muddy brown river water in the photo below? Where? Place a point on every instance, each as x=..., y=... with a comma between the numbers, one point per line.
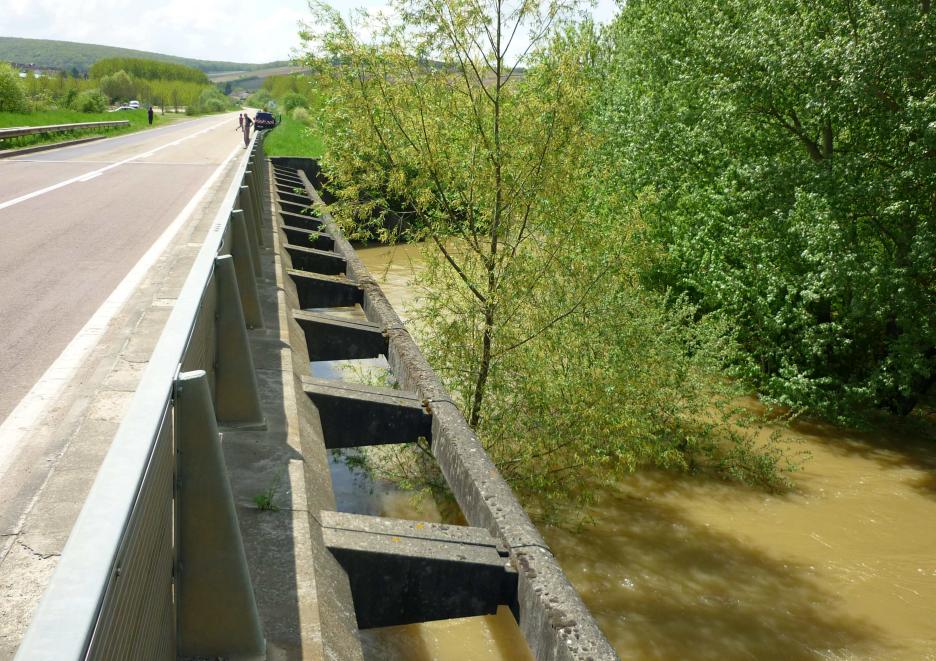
x=677, y=567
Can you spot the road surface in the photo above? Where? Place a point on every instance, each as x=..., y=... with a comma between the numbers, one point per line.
x=96, y=241
x=74, y=221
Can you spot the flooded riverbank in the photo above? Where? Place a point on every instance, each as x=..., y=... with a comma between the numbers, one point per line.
x=685, y=568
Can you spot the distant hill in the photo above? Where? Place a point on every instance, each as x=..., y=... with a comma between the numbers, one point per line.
x=69, y=54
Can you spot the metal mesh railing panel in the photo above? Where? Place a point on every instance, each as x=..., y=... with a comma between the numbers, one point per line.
x=134, y=617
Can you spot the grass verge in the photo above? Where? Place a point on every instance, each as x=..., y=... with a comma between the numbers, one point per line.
x=292, y=138
x=137, y=119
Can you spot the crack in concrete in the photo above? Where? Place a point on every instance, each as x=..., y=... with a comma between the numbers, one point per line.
x=41, y=556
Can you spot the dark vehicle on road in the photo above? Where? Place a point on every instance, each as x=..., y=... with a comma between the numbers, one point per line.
x=264, y=120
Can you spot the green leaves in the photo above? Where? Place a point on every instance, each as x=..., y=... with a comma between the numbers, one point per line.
x=790, y=192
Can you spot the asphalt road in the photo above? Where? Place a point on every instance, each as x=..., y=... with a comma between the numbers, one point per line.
x=65, y=244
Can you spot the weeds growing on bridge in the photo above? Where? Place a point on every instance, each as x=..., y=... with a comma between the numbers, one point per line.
x=266, y=501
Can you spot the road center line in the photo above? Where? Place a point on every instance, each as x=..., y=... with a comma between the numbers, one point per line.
x=24, y=418
x=87, y=175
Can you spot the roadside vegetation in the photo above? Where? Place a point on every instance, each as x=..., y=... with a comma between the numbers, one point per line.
x=629, y=229
x=298, y=103
x=293, y=137
x=137, y=119
x=34, y=101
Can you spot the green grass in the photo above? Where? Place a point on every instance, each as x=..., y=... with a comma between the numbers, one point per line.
x=292, y=138
x=137, y=119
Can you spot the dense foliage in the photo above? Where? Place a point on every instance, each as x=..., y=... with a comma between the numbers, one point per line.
x=118, y=86
x=211, y=99
x=90, y=100
x=533, y=312
x=783, y=157
x=65, y=92
x=147, y=70
x=12, y=98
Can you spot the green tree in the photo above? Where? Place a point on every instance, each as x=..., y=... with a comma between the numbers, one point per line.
x=293, y=100
x=783, y=154
x=90, y=101
x=118, y=86
x=12, y=98
x=211, y=99
x=438, y=131
x=259, y=99
x=147, y=70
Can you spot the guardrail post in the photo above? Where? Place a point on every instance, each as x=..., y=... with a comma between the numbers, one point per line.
x=237, y=397
x=217, y=612
x=253, y=168
x=244, y=267
x=247, y=203
x=250, y=179
x=251, y=235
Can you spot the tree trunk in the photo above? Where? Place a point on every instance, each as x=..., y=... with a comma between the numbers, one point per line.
x=484, y=366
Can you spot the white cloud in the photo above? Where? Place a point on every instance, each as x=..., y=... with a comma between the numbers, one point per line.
x=236, y=30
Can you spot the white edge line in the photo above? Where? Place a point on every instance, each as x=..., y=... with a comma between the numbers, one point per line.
x=23, y=418
x=95, y=173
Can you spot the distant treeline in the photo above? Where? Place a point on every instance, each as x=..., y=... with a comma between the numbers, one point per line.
x=113, y=81
x=78, y=58
x=147, y=70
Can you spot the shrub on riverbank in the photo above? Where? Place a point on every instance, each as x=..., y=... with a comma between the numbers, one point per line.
x=783, y=155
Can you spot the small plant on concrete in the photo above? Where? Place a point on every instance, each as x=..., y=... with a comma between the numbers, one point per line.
x=266, y=501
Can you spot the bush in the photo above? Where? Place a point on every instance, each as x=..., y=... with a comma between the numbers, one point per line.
x=68, y=100
x=300, y=115
x=12, y=98
x=118, y=86
x=90, y=101
x=259, y=99
x=41, y=100
x=294, y=100
x=779, y=153
x=211, y=99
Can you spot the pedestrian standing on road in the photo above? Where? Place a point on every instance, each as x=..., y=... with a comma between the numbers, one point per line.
x=247, y=123
x=149, y=115
x=240, y=121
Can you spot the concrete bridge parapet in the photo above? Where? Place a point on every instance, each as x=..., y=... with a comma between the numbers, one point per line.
x=550, y=613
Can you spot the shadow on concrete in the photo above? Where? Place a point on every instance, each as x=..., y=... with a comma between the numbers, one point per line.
x=258, y=464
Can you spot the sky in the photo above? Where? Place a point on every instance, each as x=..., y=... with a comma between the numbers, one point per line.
x=231, y=30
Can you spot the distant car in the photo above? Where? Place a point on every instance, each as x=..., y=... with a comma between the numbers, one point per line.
x=264, y=120
x=134, y=105
x=119, y=108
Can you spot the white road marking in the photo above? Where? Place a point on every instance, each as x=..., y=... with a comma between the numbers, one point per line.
x=62, y=184
x=89, y=177
x=24, y=418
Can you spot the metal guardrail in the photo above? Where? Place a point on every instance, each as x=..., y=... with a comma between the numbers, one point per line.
x=154, y=565
x=18, y=131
